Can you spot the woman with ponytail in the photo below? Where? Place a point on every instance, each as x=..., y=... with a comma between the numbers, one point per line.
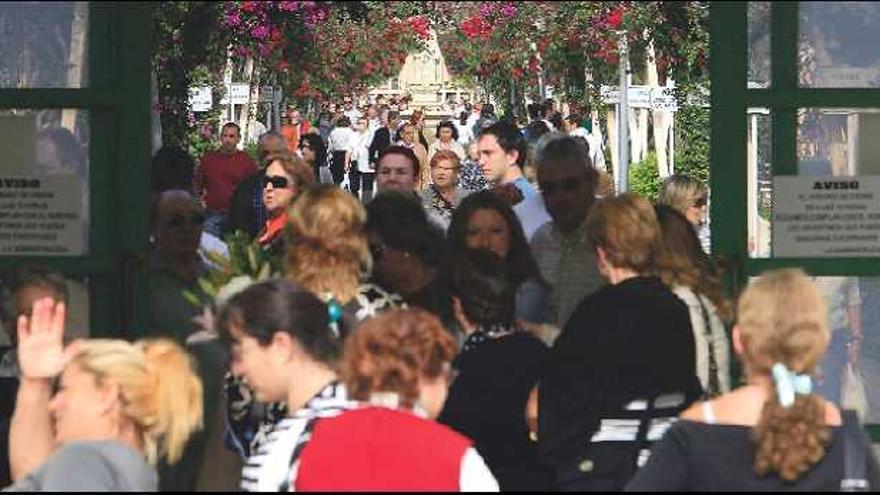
x=772, y=433
x=119, y=409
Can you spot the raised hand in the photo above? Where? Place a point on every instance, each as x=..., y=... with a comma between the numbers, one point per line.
x=41, y=352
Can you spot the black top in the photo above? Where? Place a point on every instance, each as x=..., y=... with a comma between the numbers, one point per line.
x=701, y=457
x=632, y=340
x=241, y=207
x=487, y=403
x=381, y=142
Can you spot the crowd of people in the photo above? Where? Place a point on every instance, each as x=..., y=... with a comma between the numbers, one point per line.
x=492, y=318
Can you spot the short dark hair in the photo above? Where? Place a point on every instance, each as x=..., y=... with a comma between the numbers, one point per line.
x=449, y=125
x=509, y=138
x=279, y=305
x=30, y=276
x=404, y=151
x=400, y=221
x=233, y=125
x=573, y=151
x=574, y=118
x=343, y=121
x=481, y=280
x=172, y=169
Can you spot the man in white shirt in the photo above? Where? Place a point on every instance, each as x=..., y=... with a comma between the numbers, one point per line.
x=349, y=110
x=571, y=125
x=502, y=153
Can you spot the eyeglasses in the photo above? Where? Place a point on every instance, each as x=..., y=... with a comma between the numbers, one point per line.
x=178, y=221
x=701, y=202
x=305, y=147
x=552, y=188
x=277, y=181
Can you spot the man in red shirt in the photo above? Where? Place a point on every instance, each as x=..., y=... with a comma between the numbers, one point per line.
x=219, y=173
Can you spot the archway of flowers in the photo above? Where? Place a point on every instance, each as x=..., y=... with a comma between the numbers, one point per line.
x=321, y=50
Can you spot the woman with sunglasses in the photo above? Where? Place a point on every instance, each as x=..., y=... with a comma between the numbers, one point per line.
x=313, y=151
x=285, y=177
x=690, y=198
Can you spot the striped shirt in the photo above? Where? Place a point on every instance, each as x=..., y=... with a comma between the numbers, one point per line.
x=268, y=469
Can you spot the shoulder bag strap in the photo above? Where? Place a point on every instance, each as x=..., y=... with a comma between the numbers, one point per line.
x=714, y=384
x=855, y=462
x=641, y=441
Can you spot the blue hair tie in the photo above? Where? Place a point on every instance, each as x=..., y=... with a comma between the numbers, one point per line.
x=789, y=383
x=334, y=311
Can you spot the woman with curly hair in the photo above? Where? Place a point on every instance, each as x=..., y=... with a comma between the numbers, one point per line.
x=328, y=255
x=772, y=434
x=397, y=367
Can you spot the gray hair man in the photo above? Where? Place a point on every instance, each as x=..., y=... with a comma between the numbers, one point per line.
x=568, y=185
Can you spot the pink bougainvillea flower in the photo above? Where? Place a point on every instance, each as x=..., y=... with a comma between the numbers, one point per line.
x=488, y=9
x=288, y=6
x=509, y=10
x=260, y=32
x=232, y=19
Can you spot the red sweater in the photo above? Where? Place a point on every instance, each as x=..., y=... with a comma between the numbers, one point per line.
x=375, y=448
x=219, y=174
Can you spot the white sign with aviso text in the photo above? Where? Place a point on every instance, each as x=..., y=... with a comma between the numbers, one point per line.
x=826, y=216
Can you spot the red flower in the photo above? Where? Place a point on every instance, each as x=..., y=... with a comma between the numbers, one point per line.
x=249, y=6
x=615, y=17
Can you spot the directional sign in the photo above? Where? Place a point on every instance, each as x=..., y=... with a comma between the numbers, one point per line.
x=663, y=99
x=640, y=96
x=266, y=94
x=238, y=94
x=201, y=98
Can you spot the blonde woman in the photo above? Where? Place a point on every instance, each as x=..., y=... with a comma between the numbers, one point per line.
x=773, y=433
x=686, y=269
x=691, y=199
x=120, y=408
x=329, y=253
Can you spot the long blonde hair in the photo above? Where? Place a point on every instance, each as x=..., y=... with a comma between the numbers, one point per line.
x=328, y=249
x=159, y=390
x=782, y=318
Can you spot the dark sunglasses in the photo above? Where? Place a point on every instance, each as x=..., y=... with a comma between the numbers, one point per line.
x=701, y=202
x=551, y=188
x=305, y=147
x=277, y=181
x=178, y=221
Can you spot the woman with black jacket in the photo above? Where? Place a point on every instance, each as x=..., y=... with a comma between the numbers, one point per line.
x=624, y=363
